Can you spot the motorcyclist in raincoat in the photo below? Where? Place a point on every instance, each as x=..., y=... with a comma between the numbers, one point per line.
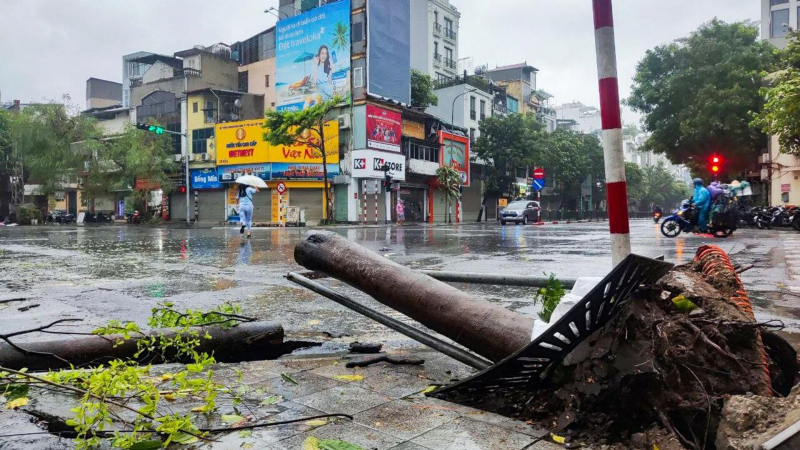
x=702, y=200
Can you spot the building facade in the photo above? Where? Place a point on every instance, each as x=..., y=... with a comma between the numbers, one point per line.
x=780, y=171
x=519, y=80
x=102, y=93
x=778, y=18
x=434, y=38
x=578, y=117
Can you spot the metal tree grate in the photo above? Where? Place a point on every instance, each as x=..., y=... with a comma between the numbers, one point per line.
x=530, y=365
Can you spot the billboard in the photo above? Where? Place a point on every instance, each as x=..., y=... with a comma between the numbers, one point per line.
x=455, y=154
x=205, y=179
x=240, y=143
x=313, y=57
x=370, y=164
x=303, y=172
x=229, y=174
x=389, y=49
x=384, y=129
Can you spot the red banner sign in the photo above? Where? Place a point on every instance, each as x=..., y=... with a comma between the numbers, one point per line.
x=384, y=129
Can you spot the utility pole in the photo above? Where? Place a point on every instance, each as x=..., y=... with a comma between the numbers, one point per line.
x=616, y=185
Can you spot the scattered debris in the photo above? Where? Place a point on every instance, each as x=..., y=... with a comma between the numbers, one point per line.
x=28, y=307
x=365, y=347
x=370, y=360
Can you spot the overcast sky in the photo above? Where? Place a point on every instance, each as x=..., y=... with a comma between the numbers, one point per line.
x=50, y=47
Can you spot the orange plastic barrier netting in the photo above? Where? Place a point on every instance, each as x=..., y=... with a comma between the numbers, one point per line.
x=714, y=261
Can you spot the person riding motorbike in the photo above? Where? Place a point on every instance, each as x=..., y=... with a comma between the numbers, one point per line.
x=702, y=200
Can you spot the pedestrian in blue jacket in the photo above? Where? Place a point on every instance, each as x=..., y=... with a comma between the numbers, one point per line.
x=702, y=200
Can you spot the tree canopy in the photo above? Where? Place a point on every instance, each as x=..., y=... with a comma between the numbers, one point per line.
x=781, y=113
x=422, y=95
x=698, y=93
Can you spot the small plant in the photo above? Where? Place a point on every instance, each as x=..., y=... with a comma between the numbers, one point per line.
x=28, y=213
x=549, y=296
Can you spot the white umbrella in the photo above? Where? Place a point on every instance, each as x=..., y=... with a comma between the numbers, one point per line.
x=252, y=180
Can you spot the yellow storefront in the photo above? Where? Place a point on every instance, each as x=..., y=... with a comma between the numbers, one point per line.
x=242, y=150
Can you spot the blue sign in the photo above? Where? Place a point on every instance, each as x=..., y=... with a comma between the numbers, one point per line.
x=538, y=185
x=302, y=172
x=313, y=57
x=229, y=174
x=205, y=179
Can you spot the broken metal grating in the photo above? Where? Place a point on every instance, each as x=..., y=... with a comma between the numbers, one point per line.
x=530, y=365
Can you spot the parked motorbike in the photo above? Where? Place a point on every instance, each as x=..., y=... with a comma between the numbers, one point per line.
x=764, y=218
x=134, y=218
x=59, y=217
x=684, y=219
x=99, y=217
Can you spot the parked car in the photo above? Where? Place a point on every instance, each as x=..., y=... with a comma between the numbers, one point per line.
x=521, y=211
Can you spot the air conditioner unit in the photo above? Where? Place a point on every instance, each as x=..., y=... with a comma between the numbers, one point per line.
x=178, y=158
x=344, y=122
x=206, y=157
x=764, y=159
x=198, y=157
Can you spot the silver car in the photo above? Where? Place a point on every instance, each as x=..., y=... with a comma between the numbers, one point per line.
x=521, y=211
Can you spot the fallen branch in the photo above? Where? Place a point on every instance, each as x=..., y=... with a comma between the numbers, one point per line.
x=370, y=360
x=26, y=352
x=94, y=396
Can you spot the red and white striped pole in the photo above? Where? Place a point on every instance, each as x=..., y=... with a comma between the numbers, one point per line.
x=616, y=186
x=377, y=191
x=364, y=197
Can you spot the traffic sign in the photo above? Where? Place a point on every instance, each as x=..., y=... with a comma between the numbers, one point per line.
x=281, y=188
x=538, y=173
x=538, y=184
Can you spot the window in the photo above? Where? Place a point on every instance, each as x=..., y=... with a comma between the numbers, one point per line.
x=422, y=152
x=436, y=17
x=448, y=24
x=778, y=2
x=436, y=49
x=194, y=107
x=266, y=80
x=472, y=135
x=779, y=23
x=200, y=139
x=483, y=109
x=448, y=53
x=358, y=77
x=244, y=81
x=358, y=32
x=472, y=113
x=210, y=110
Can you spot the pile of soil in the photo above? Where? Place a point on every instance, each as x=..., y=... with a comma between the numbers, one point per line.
x=656, y=375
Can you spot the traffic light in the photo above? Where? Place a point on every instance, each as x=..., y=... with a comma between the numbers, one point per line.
x=715, y=164
x=150, y=128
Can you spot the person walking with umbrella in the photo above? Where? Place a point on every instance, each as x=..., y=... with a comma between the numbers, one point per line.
x=248, y=187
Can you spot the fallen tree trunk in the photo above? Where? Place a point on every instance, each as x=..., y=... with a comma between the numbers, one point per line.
x=246, y=341
x=487, y=329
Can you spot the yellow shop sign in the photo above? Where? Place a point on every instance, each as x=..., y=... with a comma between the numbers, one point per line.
x=243, y=143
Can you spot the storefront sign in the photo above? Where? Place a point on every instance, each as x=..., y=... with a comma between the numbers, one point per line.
x=205, y=179
x=384, y=129
x=786, y=188
x=313, y=57
x=146, y=184
x=304, y=172
x=229, y=174
x=455, y=154
x=243, y=143
x=370, y=163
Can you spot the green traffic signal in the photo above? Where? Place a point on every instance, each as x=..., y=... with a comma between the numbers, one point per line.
x=150, y=128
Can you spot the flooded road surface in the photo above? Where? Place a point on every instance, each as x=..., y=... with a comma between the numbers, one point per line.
x=103, y=273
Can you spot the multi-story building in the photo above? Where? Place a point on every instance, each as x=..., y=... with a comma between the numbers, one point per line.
x=256, y=58
x=778, y=18
x=779, y=170
x=464, y=102
x=102, y=93
x=434, y=38
x=519, y=80
x=578, y=117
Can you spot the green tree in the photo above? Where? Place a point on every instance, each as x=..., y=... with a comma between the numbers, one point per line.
x=630, y=130
x=115, y=163
x=697, y=94
x=449, y=181
x=507, y=144
x=635, y=179
x=307, y=127
x=570, y=158
x=42, y=137
x=781, y=113
x=422, y=95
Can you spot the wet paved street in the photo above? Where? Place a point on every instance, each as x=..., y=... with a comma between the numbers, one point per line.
x=102, y=273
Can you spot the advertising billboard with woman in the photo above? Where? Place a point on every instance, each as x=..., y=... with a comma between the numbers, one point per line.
x=313, y=57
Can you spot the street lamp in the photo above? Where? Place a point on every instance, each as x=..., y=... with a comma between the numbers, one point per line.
x=272, y=10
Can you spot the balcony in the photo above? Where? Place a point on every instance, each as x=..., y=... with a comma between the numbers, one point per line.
x=136, y=81
x=437, y=29
x=450, y=63
x=450, y=35
x=437, y=60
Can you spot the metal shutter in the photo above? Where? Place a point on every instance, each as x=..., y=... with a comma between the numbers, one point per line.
x=309, y=200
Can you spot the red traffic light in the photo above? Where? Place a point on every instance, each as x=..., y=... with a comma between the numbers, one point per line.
x=715, y=160
x=183, y=189
x=715, y=164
